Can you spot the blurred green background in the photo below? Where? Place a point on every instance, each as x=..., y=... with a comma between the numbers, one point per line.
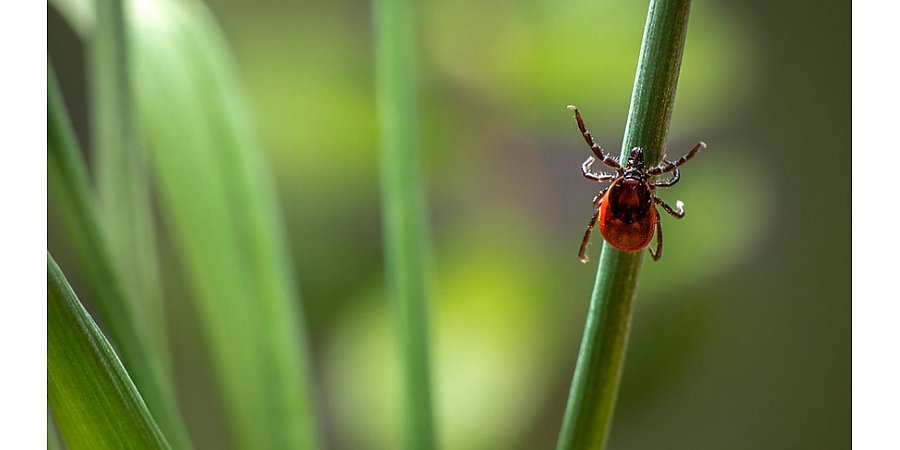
x=741, y=337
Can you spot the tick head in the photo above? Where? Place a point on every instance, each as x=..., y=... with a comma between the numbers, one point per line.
x=634, y=167
x=635, y=159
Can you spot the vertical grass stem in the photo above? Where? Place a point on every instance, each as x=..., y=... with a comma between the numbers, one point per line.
x=404, y=217
x=592, y=396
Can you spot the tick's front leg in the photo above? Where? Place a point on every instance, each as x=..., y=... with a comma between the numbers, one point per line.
x=599, y=177
x=602, y=155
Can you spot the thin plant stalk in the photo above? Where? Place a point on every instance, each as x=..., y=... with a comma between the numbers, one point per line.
x=592, y=396
x=404, y=216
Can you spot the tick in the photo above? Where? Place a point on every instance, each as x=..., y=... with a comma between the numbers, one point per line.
x=626, y=209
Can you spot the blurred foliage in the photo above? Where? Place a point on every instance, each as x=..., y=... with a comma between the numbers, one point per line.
x=741, y=336
x=493, y=342
x=406, y=235
x=70, y=186
x=217, y=201
x=98, y=407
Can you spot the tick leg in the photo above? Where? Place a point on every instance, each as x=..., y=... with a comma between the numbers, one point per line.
x=670, y=166
x=676, y=175
x=659, y=241
x=601, y=155
x=599, y=177
x=587, y=236
x=598, y=200
x=679, y=213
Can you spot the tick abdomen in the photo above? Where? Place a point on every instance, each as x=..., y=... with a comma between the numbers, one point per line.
x=629, y=200
x=627, y=215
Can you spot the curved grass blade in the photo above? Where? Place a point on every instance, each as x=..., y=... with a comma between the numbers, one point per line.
x=68, y=183
x=93, y=400
x=219, y=206
x=123, y=184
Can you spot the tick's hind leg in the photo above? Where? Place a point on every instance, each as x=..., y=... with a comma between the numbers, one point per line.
x=598, y=200
x=659, y=240
x=678, y=214
x=587, y=236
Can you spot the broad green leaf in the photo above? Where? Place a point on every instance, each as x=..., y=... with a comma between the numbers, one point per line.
x=218, y=204
x=68, y=184
x=93, y=400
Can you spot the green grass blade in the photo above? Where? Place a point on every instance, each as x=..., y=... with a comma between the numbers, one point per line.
x=219, y=206
x=52, y=435
x=68, y=184
x=595, y=384
x=404, y=216
x=94, y=402
x=78, y=13
x=122, y=182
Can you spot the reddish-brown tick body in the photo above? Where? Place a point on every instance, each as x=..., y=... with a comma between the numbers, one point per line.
x=626, y=209
x=627, y=215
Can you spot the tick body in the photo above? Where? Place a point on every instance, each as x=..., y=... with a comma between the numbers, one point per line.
x=626, y=209
x=627, y=216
